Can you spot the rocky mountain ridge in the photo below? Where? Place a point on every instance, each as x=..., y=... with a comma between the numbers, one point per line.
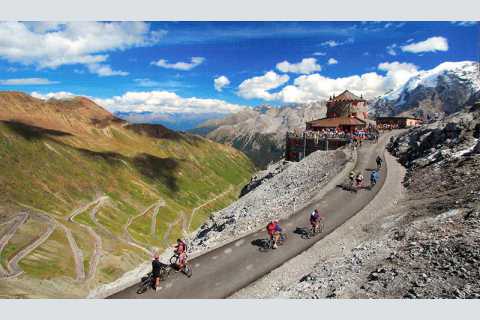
x=260, y=132
x=433, y=93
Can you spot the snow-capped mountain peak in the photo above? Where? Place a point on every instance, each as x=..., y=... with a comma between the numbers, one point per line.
x=443, y=89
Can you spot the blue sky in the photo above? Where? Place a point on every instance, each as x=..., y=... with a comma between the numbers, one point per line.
x=158, y=68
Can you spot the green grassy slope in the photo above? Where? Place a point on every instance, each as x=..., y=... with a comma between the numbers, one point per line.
x=52, y=173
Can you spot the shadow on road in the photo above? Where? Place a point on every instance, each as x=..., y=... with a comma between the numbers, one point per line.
x=302, y=231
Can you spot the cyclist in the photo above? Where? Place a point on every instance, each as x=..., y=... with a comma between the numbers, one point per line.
x=351, y=177
x=379, y=162
x=274, y=230
x=156, y=267
x=359, y=180
x=373, y=178
x=315, y=219
x=181, y=252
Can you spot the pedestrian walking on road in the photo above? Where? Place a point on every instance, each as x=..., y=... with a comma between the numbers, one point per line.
x=379, y=162
x=374, y=177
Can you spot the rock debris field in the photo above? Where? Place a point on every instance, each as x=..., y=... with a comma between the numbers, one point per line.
x=275, y=192
x=427, y=245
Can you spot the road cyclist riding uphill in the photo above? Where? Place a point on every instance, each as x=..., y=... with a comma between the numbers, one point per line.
x=276, y=237
x=316, y=223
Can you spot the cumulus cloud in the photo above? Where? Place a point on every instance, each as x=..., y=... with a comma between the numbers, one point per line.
x=259, y=87
x=319, y=53
x=51, y=45
x=183, y=66
x=332, y=61
x=220, y=82
x=26, y=81
x=318, y=87
x=397, y=73
x=432, y=44
x=306, y=66
x=61, y=95
x=165, y=102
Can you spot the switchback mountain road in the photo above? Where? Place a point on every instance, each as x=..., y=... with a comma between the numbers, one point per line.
x=223, y=271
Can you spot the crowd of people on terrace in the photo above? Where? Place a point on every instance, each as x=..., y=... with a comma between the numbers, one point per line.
x=388, y=126
x=368, y=133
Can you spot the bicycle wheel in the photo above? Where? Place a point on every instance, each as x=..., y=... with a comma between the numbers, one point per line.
x=144, y=285
x=174, y=259
x=187, y=270
x=321, y=227
x=265, y=245
x=164, y=272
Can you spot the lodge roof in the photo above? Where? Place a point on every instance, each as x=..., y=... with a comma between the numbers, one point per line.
x=347, y=96
x=335, y=122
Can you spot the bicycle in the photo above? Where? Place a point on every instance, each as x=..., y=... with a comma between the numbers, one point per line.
x=149, y=280
x=267, y=244
x=312, y=232
x=186, y=270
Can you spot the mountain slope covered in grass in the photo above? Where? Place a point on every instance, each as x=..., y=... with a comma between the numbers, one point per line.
x=85, y=196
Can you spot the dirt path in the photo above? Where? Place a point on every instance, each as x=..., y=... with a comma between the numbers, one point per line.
x=170, y=226
x=16, y=222
x=128, y=237
x=194, y=211
x=97, y=251
x=153, y=225
x=13, y=266
x=76, y=251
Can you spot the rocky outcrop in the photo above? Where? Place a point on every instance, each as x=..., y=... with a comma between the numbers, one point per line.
x=427, y=244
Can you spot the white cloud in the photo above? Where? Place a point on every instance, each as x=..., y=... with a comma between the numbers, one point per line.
x=391, y=49
x=306, y=66
x=429, y=45
x=104, y=70
x=332, y=61
x=335, y=43
x=319, y=53
x=258, y=87
x=61, y=95
x=183, y=66
x=317, y=87
x=397, y=73
x=26, y=81
x=51, y=45
x=464, y=23
x=220, y=82
x=165, y=102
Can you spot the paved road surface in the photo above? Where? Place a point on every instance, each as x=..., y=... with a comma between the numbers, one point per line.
x=223, y=271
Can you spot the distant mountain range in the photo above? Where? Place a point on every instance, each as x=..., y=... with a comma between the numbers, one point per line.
x=440, y=91
x=86, y=196
x=260, y=132
x=177, y=121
